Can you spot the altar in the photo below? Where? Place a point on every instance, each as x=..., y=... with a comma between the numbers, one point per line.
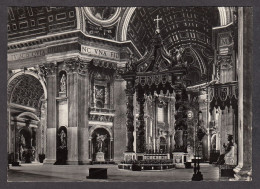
x=154, y=81
x=179, y=159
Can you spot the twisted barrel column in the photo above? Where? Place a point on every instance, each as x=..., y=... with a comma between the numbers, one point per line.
x=130, y=90
x=141, y=130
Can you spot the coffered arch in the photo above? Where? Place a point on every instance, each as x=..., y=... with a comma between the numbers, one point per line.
x=225, y=18
x=26, y=88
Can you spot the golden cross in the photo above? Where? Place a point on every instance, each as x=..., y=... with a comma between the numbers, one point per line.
x=157, y=23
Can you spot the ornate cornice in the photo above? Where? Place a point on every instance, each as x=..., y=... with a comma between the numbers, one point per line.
x=222, y=95
x=76, y=34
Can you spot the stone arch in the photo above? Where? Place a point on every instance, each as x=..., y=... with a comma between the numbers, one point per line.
x=26, y=113
x=101, y=144
x=80, y=19
x=93, y=128
x=26, y=137
x=201, y=63
x=29, y=114
x=225, y=16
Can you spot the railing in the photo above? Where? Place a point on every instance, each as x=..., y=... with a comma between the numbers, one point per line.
x=161, y=151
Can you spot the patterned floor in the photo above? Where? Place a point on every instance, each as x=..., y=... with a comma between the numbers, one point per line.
x=75, y=173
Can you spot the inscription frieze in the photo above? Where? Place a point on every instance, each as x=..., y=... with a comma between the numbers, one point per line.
x=93, y=51
x=63, y=48
x=100, y=52
x=26, y=55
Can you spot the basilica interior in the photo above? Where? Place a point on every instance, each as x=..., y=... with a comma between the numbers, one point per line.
x=135, y=87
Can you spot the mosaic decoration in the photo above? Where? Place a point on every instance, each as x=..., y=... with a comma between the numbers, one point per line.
x=103, y=13
x=99, y=31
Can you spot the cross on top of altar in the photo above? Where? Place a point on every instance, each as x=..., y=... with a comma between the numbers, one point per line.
x=157, y=24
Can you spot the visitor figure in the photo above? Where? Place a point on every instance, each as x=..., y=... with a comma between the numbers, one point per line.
x=100, y=142
x=221, y=159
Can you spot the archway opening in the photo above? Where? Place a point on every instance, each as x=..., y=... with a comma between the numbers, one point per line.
x=62, y=150
x=101, y=145
x=27, y=144
x=26, y=107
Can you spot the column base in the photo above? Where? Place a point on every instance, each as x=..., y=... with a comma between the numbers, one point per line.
x=71, y=162
x=242, y=174
x=49, y=161
x=197, y=177
x=179, y=160
x=129, y=156
x=17, y=163
x=86, y=162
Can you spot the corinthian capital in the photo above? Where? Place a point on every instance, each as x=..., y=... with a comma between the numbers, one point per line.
x=50, y=68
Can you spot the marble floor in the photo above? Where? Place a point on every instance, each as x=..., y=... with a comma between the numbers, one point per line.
x=77, y=173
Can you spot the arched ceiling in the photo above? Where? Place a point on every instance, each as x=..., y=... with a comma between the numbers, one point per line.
x=180, y=26
x=28, y=22
x=187, y=27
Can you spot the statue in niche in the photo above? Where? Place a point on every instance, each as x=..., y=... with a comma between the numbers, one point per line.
x=63, y=83
x=100, y=142
x=22, y=145
x=62, y=136
x=22, y=141
x=99, y=96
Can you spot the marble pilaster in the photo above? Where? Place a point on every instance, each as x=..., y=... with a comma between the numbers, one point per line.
x=245, y=22
x=51, y=112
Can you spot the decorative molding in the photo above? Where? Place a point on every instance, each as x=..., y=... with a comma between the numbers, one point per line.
x=102, y=118
x=76, y=34
x=93, y=127
x=101, y=20
x=30, y=22
x=222, y=95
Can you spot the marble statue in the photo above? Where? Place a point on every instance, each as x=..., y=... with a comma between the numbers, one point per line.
x=63, y=84
x=63, y=139
x=100, y=142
